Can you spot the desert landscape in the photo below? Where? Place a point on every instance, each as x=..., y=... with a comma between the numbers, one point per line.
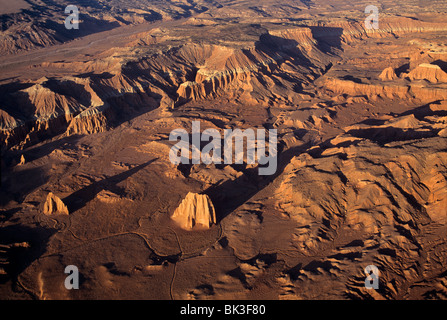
x=87, y=179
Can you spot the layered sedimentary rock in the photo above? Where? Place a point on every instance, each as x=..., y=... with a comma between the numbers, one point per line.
x=246, y=71
x=388, y=26
x=429, y=72
x=423, y=93
x=93, y=120
x=54, y=205
x=7, y=121
x=247, y=68
x=196, y=210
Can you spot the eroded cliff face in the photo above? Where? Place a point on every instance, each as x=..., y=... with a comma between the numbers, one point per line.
x=396, y=26
x=418, y=91
x=427, y=71
x=265, y=67
x=54, y=205
x=72, y=105
x=247, y=73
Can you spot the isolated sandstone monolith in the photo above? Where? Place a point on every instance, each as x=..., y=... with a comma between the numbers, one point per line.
x=196, y=210
x=430, y=72
x=22, y=160
x=54, y=205
x=388, y=74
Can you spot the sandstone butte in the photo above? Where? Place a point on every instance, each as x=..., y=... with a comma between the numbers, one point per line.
x=429, y=72
x=196, y=210
x=54, y=205
x=388, y=74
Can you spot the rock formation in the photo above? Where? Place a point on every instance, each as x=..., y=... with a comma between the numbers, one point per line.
x=54, y=205
x=429, y=72
x=196, y=210
x=388, y=74
x=425, y=94
x=22, y=160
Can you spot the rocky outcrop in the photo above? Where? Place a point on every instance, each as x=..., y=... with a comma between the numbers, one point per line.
x=392, y=26
x=252, y=72
x=429, y=72
x=423, y=93
x=54, y=205
x=388, y=74
x=247, y=71
x=366, y=193
x=7, y=121
x=89, y=121
x=358, y=89
x=68, y=104
x=22, y=160
x=196, y=210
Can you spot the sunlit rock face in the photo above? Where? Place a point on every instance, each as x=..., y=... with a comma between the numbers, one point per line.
x=54, y=205
x=196, y=210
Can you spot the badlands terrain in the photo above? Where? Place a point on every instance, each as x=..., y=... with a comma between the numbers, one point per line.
x=86, y=179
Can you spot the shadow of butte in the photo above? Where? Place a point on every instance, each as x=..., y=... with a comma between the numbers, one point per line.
x=80, y=198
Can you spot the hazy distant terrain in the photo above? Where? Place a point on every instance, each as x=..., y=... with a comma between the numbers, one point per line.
x=7, y=7
x=361, y=117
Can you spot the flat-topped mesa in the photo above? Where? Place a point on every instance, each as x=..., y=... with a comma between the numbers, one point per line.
x=54, y=205
x=196, y=210
x=430, y=72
